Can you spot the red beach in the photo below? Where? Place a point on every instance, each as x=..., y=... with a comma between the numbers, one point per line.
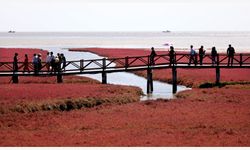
x=83, y=112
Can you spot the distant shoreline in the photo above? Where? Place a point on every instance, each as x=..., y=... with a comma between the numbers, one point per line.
x=159, y=40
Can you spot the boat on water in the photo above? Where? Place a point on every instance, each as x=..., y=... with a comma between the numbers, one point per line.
x=166, y=31
x=11, y=31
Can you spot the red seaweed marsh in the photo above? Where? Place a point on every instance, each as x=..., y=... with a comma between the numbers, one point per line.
x=83, y=112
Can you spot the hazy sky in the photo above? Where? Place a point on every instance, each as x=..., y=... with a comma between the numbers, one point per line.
x=124, y=15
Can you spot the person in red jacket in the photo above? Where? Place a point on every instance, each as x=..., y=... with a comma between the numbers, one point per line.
x=26, y=64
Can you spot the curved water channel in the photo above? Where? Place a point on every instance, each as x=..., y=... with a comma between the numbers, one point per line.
x=161, y=90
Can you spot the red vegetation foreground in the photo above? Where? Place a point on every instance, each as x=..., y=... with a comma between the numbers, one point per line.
x=208, y=117
x=39, y=112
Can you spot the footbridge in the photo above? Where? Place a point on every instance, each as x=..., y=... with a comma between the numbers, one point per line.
x=129, y=64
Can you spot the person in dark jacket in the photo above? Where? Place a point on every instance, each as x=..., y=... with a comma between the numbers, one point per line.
x=213, y=55
x=39, y=62
x=230, y=54
x=15, y=63
x=63, y=61
x=201, y=54
x=152, y=56
x=171, y=55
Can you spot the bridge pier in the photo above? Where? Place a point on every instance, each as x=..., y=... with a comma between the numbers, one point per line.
x=104, y=78
x=149, y=81
x=174, y=79
x=104, y=74
x=59, y=77
x=15, y=77
x=217, y=75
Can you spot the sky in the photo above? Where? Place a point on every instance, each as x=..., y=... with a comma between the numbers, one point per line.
x=124, y=15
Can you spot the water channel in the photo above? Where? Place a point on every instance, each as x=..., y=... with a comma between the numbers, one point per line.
x=161, y=90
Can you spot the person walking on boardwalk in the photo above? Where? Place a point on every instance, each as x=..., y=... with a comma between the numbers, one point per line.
x=214, y=55
x=201, y=54
x=63, y=61
x=152, y=56
x=57, y=63
x=230, y=54
x=26, y=64
x=52, y=62
x=171, y=55
x=193, y=56
x=39, y=62
x=15, y=63
x=35, y=63
x=48, y=61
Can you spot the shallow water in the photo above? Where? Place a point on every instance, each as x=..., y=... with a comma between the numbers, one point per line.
x=161, y=90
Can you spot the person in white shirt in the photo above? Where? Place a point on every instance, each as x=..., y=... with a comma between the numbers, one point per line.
x=48, y=61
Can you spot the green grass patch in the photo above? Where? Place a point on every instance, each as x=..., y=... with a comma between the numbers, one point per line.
x=222, y=84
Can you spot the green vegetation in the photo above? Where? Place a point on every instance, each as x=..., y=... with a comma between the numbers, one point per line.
x=222, y=84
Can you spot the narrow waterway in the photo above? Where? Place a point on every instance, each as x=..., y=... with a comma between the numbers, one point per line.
x=161, y=90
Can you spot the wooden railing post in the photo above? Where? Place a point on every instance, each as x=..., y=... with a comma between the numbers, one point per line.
x=81, y=65
x=126, y=62
x=104, y=74
x=218, y=60
x=149, y=81
x=241, y=60
x=175, y=62
x=149, y=62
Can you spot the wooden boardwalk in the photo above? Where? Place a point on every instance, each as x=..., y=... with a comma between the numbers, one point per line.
x=106, y=65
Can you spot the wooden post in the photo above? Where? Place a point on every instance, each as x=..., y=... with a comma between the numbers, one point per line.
x=174, y=79
x=217, y=75
x=149, y=81
x=126, y=62
x=59, y=77
x=241, y=60
x=104, y=74
x=218, y=59
x=81, y=65
x=15, y=77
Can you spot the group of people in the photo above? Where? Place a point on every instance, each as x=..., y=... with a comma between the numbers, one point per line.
x=53, y=63
x=193, y=55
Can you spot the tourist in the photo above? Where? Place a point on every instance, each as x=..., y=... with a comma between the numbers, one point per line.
x=171, y=55
x=15, y=63
x=193, y=56
x=57, y=64
x=152, y=56
x=63, y=61
x=230, y=54
x=52, y=62
x=39, y=62
x=213, y=55
x=26, y=64
x=48, y=61
x=35, y=63
x=201, y=54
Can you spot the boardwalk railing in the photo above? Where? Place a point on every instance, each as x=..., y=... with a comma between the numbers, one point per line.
x=108, y=65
